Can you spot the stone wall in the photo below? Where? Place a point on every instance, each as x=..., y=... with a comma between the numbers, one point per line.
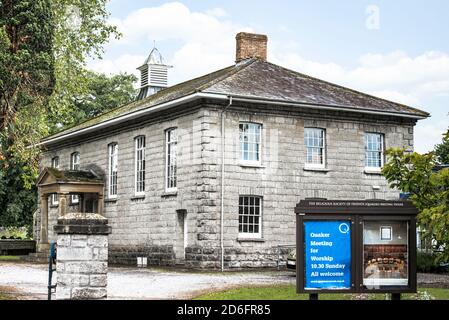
x=82, y=266
x=145, y=224
x=150, y=226
x=282, y=180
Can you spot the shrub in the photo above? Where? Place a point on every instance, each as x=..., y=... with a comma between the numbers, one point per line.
x=427, y=262
x=13, y=233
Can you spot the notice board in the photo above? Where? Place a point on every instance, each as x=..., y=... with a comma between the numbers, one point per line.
x=327, y=254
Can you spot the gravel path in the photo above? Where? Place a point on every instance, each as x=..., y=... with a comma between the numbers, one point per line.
x=132, y=283
x=30, y=281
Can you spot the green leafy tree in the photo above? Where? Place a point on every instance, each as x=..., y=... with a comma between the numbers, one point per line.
x=442, y=150
x=429, y=191
x=26, y=56
x=103, y=93
x=44, y=47
x=26, y=83
x=26, y=70
x=81, y=33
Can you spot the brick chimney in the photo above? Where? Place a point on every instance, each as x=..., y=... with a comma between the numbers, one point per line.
x=251, y=45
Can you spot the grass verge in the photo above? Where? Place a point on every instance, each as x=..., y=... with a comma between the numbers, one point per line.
x=9, y=258
x=288, y=292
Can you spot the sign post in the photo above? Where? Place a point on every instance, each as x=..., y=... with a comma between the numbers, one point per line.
x=355, y=246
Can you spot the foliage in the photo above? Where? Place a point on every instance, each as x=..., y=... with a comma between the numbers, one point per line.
x=81, y=32
x=427, y=262
x=17, y=203
x=413, y=173
x=26, y=56
x=13, y=233
x=26, y=82
x=44, y=85
x=103, y=93
x=442, y=150
x=26, y=75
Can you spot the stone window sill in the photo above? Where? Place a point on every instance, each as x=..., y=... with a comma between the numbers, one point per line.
x=372, y=171
x=250, y=240
x=251, y=165
x=54, y=206
x=316, y=169
x=110, y=200
x=167, y=194
x=138, y=197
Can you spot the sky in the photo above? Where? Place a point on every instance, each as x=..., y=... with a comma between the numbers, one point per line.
x=398, y=50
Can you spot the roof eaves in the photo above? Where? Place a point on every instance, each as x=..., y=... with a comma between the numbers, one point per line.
x=257, y=99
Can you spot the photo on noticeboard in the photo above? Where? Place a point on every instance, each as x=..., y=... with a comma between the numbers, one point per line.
x=385, y=253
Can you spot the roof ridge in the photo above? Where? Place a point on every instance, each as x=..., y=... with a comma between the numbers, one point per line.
x=349, y=89
x=236, y=69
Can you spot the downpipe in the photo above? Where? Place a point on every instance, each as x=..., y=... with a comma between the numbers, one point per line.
x=223, y=116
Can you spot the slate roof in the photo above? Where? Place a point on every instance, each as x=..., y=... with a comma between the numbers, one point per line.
x=74, y=176
x=257, y=79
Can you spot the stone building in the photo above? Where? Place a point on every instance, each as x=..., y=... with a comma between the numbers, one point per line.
x=207, y=173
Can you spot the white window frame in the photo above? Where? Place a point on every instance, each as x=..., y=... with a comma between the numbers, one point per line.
x=112, y=154
x=251, y=235
x=54, y=197
x=75, y=160
x=259, y=148
x=168, y=145
x=75, y=165
x=321, y=165
x=138, y=140
x=382, y=152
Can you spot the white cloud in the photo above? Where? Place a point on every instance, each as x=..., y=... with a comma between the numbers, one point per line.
x=429, y=132
x=217, y=12
x=124, y=63
x=206, y=42
x=395, y=76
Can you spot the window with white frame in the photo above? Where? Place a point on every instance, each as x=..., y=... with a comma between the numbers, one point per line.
x=374, y=150
x=139, y=144
x=54, y=197
x=315, y=142
x=250, y=142
x=113, y=169
x=74, y=165
x=250, y=217
x=171, y=140
x=75, y=161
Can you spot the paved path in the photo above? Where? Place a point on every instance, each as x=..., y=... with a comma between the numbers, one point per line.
x=30, y=280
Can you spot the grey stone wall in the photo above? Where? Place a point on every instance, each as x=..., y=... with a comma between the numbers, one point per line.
x=146, y=224
x=282, y=180
x=150, y=225
x=82, y=265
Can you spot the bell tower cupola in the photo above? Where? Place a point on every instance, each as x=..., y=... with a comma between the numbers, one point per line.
x=153, y=74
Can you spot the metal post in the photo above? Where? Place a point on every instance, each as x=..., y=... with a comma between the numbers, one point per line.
x=51, y=261
x=395, y=296
x=313, y=296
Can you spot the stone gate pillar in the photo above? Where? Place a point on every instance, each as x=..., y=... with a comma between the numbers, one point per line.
x=82, y=256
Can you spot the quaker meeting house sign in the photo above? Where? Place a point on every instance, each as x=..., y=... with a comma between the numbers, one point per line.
x=327, y=254
x=356, y=246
